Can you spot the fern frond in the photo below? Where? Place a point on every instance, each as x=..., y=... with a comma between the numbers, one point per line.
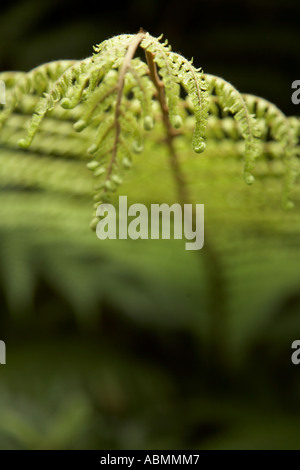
x=283, y=130
x=231, y=100
x=143, y=91
x=56, y=92
x=167, y=73
x=37, y=81
x=195, y=85
x=112, y=97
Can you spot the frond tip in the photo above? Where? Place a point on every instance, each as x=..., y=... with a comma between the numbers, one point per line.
x=231, y=100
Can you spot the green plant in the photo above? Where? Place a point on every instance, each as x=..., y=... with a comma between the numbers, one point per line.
x=113, y=97
x=241, y=289
x=102, y=107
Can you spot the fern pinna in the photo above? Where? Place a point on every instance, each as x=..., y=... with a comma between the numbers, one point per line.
x=113, y=98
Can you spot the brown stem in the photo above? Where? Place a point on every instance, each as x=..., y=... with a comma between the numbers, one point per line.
x=125, y=65
x=170, y=131
x=216, y=287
